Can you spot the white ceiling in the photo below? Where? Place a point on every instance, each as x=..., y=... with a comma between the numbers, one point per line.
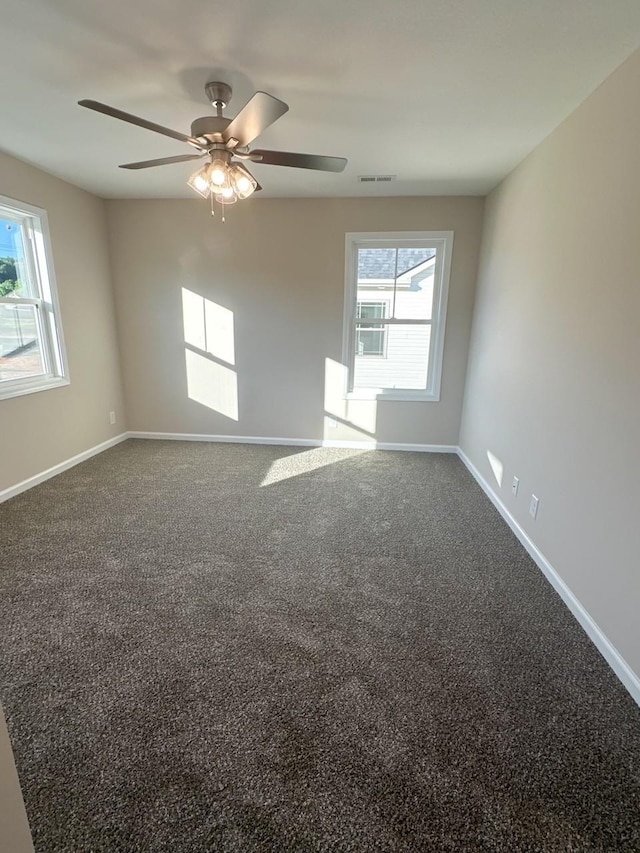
x=449, y=95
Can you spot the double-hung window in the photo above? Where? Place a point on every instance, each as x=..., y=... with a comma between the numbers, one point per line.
x=31, y=348
x=395, y=312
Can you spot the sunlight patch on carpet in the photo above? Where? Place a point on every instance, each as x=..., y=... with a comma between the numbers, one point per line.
x=302, y=463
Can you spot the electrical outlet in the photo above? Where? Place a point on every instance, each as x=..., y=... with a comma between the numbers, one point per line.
x=515, y=485
x=533, y=506
x=112, y=417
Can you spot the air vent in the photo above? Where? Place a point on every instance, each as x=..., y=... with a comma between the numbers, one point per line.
x=375, y=179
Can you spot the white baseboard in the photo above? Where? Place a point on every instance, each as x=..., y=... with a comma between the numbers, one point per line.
x=230, y=439
x=390, y=445
x=29, y=483
x=627, y=676
x=296, y=442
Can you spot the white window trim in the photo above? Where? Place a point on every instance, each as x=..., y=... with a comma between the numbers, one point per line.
x=55, y=355
x=442, y=241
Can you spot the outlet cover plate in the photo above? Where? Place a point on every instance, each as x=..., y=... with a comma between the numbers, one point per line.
x=533, y=506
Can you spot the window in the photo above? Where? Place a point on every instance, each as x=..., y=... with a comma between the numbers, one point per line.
x=31, y=348
x=395, y=310
x=371, y=339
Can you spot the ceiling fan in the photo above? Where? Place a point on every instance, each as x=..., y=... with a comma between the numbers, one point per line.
x=225, y=142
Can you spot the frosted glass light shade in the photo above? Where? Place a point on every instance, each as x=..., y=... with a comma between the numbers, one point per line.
x=199, y=181
x=243, y=181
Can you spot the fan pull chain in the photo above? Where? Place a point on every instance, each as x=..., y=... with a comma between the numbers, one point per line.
x=213, y=212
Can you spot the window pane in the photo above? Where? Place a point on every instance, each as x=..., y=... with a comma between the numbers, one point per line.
x=20, y=349
x=402, y=276
x=376, y=264
x=410, y=261
x=406, y=361
x=14, y=279
x=414, y=293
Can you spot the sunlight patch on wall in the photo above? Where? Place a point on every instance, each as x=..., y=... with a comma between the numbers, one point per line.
x=348, y=419
x=303, y=463
x=208, y=326
x=496, y=466
x=209, y=341
x=336, y=377
x=211, y=384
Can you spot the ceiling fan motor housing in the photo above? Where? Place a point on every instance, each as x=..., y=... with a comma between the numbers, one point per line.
x=210, y=127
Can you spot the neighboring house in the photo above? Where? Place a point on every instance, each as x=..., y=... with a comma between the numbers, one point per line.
x=396, y=285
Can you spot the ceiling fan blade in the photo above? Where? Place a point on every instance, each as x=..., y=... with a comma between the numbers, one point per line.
x=163, y=161
x=298, y=161
x=257, y=115
x=140, y=122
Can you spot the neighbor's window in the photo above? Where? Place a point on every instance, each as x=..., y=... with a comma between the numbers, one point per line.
x=31, y=351
x=370, y=338
x=395, y=311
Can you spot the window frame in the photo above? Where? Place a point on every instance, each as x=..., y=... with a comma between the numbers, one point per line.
x=442, y=242
x=42, y=293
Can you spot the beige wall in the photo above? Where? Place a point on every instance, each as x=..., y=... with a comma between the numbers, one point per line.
x=553, y=386
x=14, y=828
x=42, y=429
x=278, y=265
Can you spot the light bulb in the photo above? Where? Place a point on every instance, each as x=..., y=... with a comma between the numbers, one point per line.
x=218, y=175
x=227, y=196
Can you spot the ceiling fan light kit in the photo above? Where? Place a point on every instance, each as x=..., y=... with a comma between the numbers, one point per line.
x=224, y=179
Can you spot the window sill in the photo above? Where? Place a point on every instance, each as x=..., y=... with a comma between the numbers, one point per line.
x=393, y=396
x=19, y=388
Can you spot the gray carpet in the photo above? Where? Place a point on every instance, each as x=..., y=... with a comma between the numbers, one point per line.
x=356, y=657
